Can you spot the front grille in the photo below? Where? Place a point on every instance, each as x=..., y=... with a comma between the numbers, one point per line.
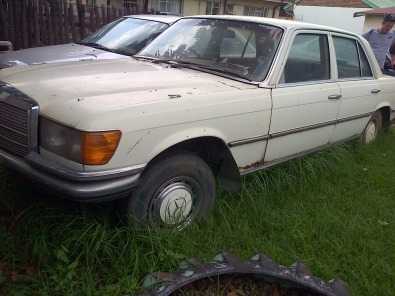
x=16, y=122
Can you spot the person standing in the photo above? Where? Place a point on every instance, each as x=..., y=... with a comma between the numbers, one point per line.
x=381, y=39
x=392, y=54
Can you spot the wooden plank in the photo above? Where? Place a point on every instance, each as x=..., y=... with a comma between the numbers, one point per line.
x=55, y=22
x=103, y=16
x=3, y=22
x=81, y=19
x=66, y=24
x=72, y=22
x=49, y=25
x=11, y=27
x=36, y=24
x=42, y=23
x=92, y=19
x=24, y=30
x=61, y=23
x=97, y=19
x=30, y=23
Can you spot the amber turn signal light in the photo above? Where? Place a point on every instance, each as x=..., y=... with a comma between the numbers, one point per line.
x=97, y=148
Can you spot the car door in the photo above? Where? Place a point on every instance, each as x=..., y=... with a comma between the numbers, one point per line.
x=305, y=103
x=360, y=90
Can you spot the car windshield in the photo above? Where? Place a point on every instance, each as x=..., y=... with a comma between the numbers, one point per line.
x=242, y=49
x=125, y=35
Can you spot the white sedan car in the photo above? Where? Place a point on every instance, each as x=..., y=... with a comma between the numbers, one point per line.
x=211, y=97
x=121, y=38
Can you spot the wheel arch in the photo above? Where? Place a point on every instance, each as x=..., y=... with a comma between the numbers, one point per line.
x=385, y=109
x=213, y=150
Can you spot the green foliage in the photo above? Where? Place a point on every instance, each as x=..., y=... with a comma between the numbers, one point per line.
x=333, y=210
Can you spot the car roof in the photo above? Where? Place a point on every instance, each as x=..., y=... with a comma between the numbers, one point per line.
x=285, y=24
x=168, y=19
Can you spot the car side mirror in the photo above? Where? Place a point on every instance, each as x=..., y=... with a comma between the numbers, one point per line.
x=5, y=46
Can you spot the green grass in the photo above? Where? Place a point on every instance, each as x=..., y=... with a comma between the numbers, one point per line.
x=334, y=210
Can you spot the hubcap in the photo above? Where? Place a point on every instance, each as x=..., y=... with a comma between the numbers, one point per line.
x=371, y=132
x=175, y=203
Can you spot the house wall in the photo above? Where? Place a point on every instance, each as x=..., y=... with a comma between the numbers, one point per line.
x=372, y=22
x=193, y=7
x=333, y=3
x=338, y=17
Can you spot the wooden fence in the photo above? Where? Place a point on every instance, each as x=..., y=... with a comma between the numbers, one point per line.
x=31, y=23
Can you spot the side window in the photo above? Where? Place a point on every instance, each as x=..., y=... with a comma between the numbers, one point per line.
x=308, y=59
x=347, y=57
x=366, y=71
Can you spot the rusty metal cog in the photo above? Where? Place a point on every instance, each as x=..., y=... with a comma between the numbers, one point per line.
x=193, y=276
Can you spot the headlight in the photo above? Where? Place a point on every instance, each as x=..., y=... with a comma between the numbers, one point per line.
x=90, y=148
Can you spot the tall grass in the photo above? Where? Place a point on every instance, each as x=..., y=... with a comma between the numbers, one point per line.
x=334, y=210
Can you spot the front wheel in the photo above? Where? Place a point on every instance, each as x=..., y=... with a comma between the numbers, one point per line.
x=174, y=192
x=373, y=128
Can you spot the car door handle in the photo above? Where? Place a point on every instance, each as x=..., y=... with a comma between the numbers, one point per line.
x=334, y=97
x=375, y=91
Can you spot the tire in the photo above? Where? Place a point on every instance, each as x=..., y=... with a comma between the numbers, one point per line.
x=174, y=192
x=373, y=128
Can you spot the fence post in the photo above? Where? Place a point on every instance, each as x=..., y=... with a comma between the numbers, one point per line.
x=97, y=19
x=81, y=18
x=41, y=22
x=36, y=26
x=3, y=22
x=92, y=19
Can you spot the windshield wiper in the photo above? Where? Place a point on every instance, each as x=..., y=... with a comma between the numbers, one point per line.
x=93, y=44
x=180, y=63
x=223, y=71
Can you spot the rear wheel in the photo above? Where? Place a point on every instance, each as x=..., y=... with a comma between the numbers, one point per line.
x=373, y=128
x=174, y=192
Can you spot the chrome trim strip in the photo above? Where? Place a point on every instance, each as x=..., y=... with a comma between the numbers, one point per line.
x=272, y=163
x=296, y=130
x=355, y=117
x=302, y=129
x=37, y=161
x=248, y=140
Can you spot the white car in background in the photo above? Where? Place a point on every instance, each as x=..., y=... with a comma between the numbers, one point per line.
x=121, y=38
x=211, y=97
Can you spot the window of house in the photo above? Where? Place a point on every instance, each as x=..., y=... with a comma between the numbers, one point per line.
x=308, y=59
x=167, y=6
x=213, y=7
x=230, y=8
x=256, y=11
x=132, y=4
x=347, y=58
x=91, y=3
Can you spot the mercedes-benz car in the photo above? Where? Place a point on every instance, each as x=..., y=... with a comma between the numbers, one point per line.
x=121, y=38
x=212, y=98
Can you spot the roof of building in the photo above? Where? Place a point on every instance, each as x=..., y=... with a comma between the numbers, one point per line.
x=376, y=11
x=333, y=3
x=379, y=3
x=168, y=19
x=286, y=24
x=348, y=3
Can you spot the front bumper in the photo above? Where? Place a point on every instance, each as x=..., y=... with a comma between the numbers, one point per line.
x=83, y=187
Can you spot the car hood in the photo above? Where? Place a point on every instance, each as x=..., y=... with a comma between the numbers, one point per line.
x=53, y=54
x=110, y=85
